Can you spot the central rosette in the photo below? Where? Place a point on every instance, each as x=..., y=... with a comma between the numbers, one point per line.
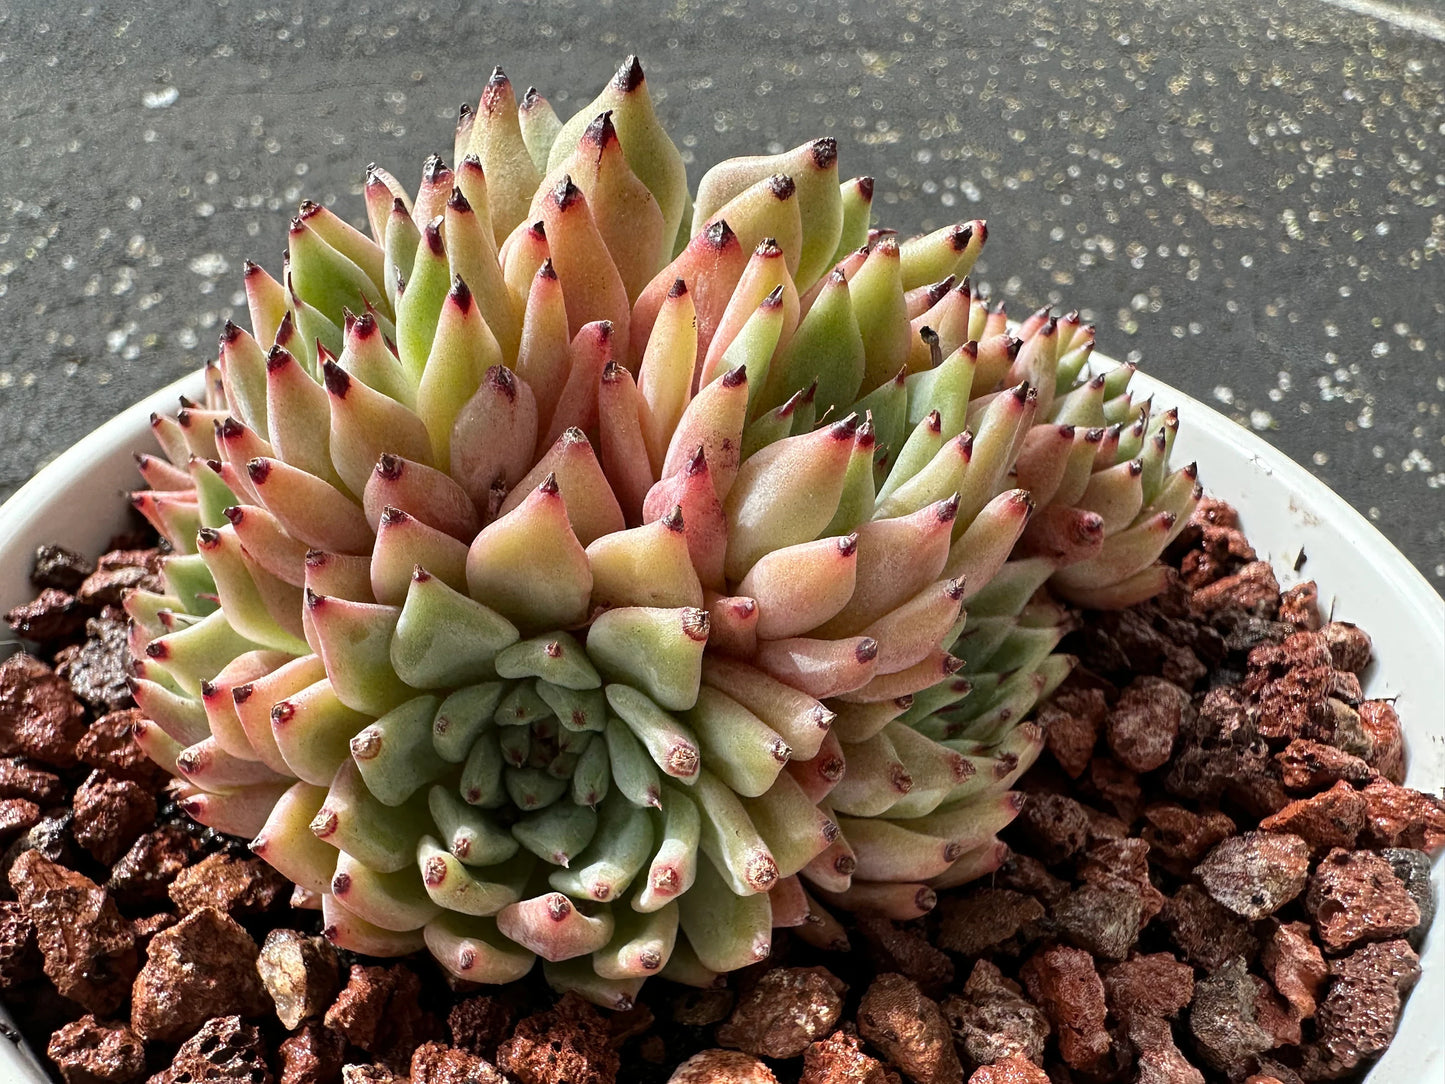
x=576, y=567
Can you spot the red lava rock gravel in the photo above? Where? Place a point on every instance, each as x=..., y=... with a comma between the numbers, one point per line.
x=1257, y=873
x=1217, y=876
x=1355, y=896
x=567, y=1042
x=88, y=948
x=204, y=966
x=908, y=1028
x=89, y=1052
x=839, y=1059
x=224, y=1049
x=788, y=1009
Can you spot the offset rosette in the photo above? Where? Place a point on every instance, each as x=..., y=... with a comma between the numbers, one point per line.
x=575, y=568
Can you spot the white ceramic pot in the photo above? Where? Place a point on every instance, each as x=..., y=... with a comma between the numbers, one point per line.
x=75, y=501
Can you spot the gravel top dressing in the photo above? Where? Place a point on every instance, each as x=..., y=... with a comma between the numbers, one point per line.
x=1215, y=876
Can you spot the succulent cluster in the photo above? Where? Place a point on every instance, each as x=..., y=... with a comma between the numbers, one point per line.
x=577, y=568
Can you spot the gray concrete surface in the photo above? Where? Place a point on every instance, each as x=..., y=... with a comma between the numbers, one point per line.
x=1246, y=197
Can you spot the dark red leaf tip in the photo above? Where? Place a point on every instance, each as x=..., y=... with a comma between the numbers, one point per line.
x=599, y=131
x=719, y=234
x=782, y=186
x=278, y=357
x=566, y=193
x=460, y=294
x=389, y=467
x=336, y=379
x=696, y=624
x=434, y=170
x=502, y=380
x=629, y=77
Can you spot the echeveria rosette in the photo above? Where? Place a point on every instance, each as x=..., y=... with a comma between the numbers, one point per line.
x=574, y=568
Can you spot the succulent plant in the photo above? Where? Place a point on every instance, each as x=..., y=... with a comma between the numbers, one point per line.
x=576, y=567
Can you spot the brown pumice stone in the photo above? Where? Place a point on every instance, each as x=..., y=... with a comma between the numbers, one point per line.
x=1155, y=984
x=58, y=567
x=566, y=1042
x=714, y=1067
x=1355, y=896
x=993, y=1021
x=788, y=1008
x=39, y=716
x=99, y=673
x=87, y=1051
x=378, y=1011
x=235, y=885
x=437, y=1063
x=145, y=872
x=1066, y=986
x=311, y=1056
x=1144, y=722
x=908, y=1028
x=202, y=967
x=1358, y=1017
x=839, y=1059
x=1015, y=1069
x=110, y=813
x=88, y=948
x=224, y=1049
x=53, y=615
x=19, y=958
x=1256, y=874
